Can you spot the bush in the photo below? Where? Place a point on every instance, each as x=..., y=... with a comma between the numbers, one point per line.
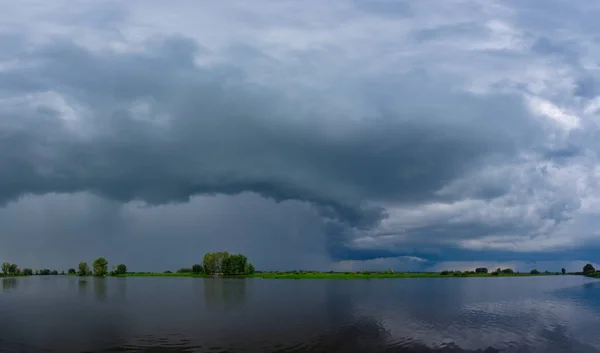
x=481, y=270
x=184, y=270
x=445, y=273
x=495, y=273
x=535, y=272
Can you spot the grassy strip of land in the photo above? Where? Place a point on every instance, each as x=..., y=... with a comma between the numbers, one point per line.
x=376, y=275
x=336, y=275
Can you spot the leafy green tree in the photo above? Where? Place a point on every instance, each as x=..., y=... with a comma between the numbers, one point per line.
x=12, y=269
x=588, y=269
x=5, y=268
x=100, y=267
x=121, y=269
x=535, y=272
x=84, y=269
x=27, y=272
x=250, y=269
x=508, y=271
x=481, y=270
x=54, y=272
x=225, y=263
x=197, y=268
x=71, y=271
x=210, y=263
x=563, y=271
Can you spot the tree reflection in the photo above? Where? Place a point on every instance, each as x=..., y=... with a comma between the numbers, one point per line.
x=225, y=291
x=8, y=284
x=100, y=288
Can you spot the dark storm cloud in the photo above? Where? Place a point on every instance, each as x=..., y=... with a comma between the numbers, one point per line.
x=392, y=128
x=223, y=135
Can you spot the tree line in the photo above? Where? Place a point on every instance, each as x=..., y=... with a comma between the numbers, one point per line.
x=497, y=272
x=9, y=269
x=99, y=268
x=220, y=263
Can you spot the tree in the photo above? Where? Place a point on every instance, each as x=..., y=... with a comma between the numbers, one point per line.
x=84, y=269
x=100, y=267
x=184, y=270
x=54, y=272
x=5, y=268
x=250, y=269
x=481, y=270
x=563, y=271
x=209, y=263
x=121, y=269
x=535, y=272
x=12, y=269
x=508, y=271
x=197, y=269
x=71, y=271
x=27, y=272
x=588, y=269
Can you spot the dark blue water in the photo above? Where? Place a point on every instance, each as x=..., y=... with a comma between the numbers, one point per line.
x=69, y=314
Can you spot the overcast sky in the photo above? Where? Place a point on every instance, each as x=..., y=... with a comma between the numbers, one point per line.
x=306, y=134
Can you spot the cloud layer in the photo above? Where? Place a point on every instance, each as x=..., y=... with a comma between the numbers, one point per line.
x=446, y=132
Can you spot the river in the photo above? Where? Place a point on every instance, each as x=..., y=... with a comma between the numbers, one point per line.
x=136, y=314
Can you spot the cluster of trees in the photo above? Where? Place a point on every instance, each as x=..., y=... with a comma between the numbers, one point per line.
x=590, y=271
x=99, y=268
x=9, y=269
x=497, y=272
x=223, y=263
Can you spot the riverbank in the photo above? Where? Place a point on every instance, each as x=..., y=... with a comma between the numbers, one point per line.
x=376, y=275
x=339, y=275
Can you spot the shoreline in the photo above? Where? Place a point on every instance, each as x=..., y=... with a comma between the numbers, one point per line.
x=328, y=275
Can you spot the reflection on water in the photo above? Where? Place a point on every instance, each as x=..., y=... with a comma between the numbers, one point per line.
x=100, y=288
x=552, y=314
x=226, y=292
x=9, y=284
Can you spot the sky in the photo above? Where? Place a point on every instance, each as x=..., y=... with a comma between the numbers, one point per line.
x=330, y=135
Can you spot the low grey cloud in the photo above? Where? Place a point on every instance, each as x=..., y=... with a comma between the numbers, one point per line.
x=400, y=132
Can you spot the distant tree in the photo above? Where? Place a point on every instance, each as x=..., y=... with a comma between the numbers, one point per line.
x=481, y=270
x=184, y=270
x=54, y=272
x=5, y=268
x=197, y=268
x=535, y=272
x=84, y=269
x=508, y=271
x=27, y=271
x=445, y=273
x=167, y=271
x=100, y=266
x=37, y=272
x=12, y=269
x=563, y=271
x=121, y=269
x=71, y=271
x=234, y=264
x=62, y=272
x=588, y=269
x=250, y=269
x=210, y=263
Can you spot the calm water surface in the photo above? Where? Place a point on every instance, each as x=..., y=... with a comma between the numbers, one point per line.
x=69, y=314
